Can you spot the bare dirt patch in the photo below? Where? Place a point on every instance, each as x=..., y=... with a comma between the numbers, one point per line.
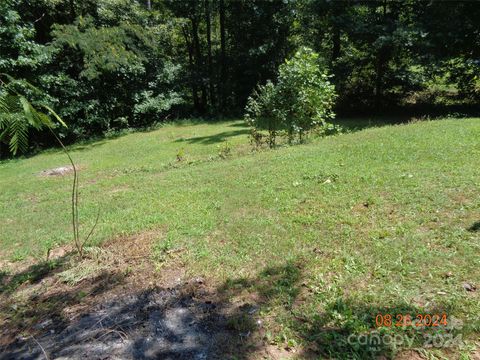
x=155, y=323
x=476, y=355
x=123, y=309
x=59, y=171
x=409, y=355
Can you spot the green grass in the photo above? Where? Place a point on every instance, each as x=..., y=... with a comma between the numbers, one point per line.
x=331, y=232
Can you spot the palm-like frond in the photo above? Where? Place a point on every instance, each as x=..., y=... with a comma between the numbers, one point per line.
x=55, y=115
x=18, y=133
x=17, y=115
x=10, y=103
x=3, y=105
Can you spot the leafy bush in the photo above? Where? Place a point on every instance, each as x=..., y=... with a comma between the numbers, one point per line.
x=300, y=101
x=151, y=108
x=262, y=112
x=18, y=115
x=306, y=95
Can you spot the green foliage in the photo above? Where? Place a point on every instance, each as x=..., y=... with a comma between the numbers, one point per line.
x=104, y=50
x=301, y=100
x=180, y=156
x=150, y=108
x=18, y=50
x=263, y=113
x=306, y=96
x=259, y=40
x=18, y=115
x=225, y=150
x=466, y=74
x=124, y=59
x=109, y=65
x=382, y=51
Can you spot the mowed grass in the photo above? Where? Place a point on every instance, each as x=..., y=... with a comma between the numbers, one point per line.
x=328, y=234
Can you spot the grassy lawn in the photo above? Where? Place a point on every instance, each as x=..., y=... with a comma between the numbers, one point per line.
x=327, y=234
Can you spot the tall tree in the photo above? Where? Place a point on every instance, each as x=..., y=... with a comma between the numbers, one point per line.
x=209, y=51
x=223, y=64
x=258, y=42
x=191, y=62
x=194, y=19
x=72, y=10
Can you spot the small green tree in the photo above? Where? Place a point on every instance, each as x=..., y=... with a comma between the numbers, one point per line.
x=301, y=100
x=306, y=95
x=262, y=112
x=17, y=116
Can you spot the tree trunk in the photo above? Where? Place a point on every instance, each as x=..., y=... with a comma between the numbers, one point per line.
x=380, y=70
x=209, y=44
x=72, y=10
x=337, y=11
x=223, y=65
x=193, y=82
x=149, y=5
x=383, y=55
x=336, y=43
x=198, y=63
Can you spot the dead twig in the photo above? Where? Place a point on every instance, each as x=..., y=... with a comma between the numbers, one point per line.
x=92, y=229
x=120, y=333
x=41, y=347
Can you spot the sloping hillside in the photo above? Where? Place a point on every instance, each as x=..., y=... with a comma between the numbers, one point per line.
x=318, y=239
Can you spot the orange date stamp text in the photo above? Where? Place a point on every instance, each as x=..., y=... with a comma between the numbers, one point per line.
x=416, y=320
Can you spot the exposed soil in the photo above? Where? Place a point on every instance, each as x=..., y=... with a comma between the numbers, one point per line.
x=121, y=309
x=60, y=171
x=153, y=324
x=115, y=305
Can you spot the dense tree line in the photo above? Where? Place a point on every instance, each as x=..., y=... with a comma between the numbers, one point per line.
x=112, y=64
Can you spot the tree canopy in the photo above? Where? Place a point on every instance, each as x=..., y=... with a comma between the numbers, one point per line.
x=111, y=64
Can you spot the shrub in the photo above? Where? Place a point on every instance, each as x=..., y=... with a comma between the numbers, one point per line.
x=300, y=101
x=306, y=94
x=150, y=108
x=262, y=113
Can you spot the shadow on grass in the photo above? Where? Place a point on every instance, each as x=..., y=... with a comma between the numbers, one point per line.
x=347, y=329
x=42, y=311
x=240, y=124
x=475, y=227
x=194, y=321
x=215, y=138
x=33, y=274
x=361, y=123
x=188, y=321
x=89, y=145
x=343, y=329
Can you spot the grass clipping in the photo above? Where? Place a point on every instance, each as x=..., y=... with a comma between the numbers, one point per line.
x=96, y=261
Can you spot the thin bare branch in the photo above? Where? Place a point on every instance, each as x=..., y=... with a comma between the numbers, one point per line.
x=92, y=229
x=41, y=347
